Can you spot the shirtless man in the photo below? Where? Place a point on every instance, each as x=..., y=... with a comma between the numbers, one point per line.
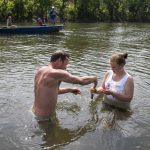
x=47, y=82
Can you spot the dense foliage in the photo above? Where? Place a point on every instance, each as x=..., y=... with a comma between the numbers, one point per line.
x=78, y=10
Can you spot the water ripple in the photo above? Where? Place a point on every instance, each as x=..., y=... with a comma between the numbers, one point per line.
x=90, y=46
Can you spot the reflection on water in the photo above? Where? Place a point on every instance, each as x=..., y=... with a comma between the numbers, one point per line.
x=54, y=135
x=80, y=123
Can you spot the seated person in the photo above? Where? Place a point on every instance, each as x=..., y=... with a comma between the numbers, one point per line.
x=40, y=22
x=9, y=22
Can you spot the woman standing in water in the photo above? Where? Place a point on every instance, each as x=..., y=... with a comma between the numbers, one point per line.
x=117, y=85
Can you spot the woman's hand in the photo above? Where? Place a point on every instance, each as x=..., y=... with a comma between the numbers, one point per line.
x=107, y=92
x=100, y=90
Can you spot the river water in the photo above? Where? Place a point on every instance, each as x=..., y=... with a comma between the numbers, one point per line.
x=82, y=123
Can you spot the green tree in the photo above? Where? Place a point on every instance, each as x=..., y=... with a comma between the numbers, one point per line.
x=81, y=10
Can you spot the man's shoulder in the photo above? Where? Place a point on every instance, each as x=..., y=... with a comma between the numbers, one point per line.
x=42, y=68
x=58, y=73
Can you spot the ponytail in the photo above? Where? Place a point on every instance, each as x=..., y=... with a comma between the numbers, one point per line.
x=125, y=55
x=119, y=58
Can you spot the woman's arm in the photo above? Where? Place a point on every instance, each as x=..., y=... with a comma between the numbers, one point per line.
x=127, y=95
x=101, y=88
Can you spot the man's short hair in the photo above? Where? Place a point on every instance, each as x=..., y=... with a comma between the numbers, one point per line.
x=59, y=55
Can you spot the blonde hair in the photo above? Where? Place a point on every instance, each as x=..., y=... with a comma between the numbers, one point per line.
x=119, y=58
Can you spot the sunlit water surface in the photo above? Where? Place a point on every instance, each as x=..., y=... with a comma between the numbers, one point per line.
x=82, y=123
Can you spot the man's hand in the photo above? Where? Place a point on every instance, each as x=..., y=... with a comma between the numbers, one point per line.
x=95, y=83
x=75, y=91
x=93, y=90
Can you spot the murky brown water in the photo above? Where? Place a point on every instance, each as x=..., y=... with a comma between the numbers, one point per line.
x=81, y=123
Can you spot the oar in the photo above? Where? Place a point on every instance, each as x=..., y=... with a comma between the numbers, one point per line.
x=34, y=20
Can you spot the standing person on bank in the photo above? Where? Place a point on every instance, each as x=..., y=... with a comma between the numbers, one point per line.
x=47, y=82
x=117, y=85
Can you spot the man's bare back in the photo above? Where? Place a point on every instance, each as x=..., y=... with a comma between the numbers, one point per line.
x=46, y=91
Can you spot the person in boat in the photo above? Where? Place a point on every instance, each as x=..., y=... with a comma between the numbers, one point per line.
x=9, y=22
x=117, y=84
x=41, y=22
x=47, y=85
x=53, y=15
